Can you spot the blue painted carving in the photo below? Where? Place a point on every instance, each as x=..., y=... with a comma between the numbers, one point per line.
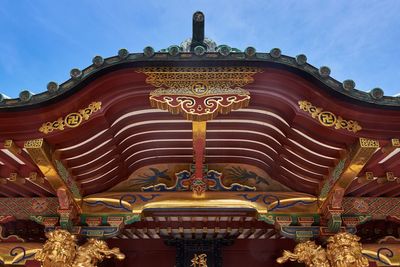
x=17, y=250
x=147, y=179
x=241, y=175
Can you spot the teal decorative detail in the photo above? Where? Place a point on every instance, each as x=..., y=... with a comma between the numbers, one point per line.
x=37, y=219
x=266, y=218
x=334, y=223
x=63, y=172
x=132, y=219
x=333, y=178
x=304, y=235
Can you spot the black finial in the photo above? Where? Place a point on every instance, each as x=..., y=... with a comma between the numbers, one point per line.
x=198, y=31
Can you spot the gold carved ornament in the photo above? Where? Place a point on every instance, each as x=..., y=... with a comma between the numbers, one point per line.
x=200, y=94
x=329, y=119
x=72, y=120
x=61, y=250
x=343, y=250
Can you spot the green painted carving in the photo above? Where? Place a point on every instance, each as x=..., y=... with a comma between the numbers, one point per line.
x=334, y=223
x=332, y=178
x=129, y=219
x=37, y=218
x=67, y=179
x=270, y=219
x=304, y=235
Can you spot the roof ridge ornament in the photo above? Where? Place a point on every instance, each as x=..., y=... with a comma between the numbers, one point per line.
x=198, y=40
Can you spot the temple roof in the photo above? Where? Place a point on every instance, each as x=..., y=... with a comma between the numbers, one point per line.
x=180, y=56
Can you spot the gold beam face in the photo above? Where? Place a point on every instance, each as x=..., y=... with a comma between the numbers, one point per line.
x=54, y=171
x=348, y=168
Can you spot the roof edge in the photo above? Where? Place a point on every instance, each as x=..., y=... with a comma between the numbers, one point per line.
x=174, y=54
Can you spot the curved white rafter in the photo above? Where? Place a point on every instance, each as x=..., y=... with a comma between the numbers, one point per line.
x=149, y=111
x=208, y=131
x=300, y=176
x=91, y=171
x=84, y=142
x=316, y=141
x=190, y=148
x=264, y=112
x=207, y=156
x=92, y=179
x=311, y=162
x=309, y=150
x=96, y=159
x=208, y=140
x=138, y=112
x=300, y=167
x=391, y=154
x=90, y=151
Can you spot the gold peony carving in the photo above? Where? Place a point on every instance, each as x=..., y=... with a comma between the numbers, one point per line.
x=343, y=250
x=61, y=250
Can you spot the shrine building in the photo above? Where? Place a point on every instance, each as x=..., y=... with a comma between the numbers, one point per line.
x=200, y=155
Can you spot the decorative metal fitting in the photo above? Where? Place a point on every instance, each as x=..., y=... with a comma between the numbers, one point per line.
x=377, y=93
x=324, y=71
x=52, y=87
x=173, y=50
x=123, y=53
x=148, y=51
x=224, y=50
x=76, y=73
x=348, y=85
x=301, y=59
x=250, y=51
x=98, y=61
x=199, y=50
x=275, y=53
x=25, y=96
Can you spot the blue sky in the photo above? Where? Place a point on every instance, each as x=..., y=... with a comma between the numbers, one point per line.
x=40, y=41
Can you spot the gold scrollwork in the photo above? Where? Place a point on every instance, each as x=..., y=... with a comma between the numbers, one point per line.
x=215, y=77
x=199, y=93
x=329, y=119
x=72, y=120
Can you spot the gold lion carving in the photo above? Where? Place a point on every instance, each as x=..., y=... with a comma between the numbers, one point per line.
x=343, y=250
x=308, y=253
x=61, y=250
